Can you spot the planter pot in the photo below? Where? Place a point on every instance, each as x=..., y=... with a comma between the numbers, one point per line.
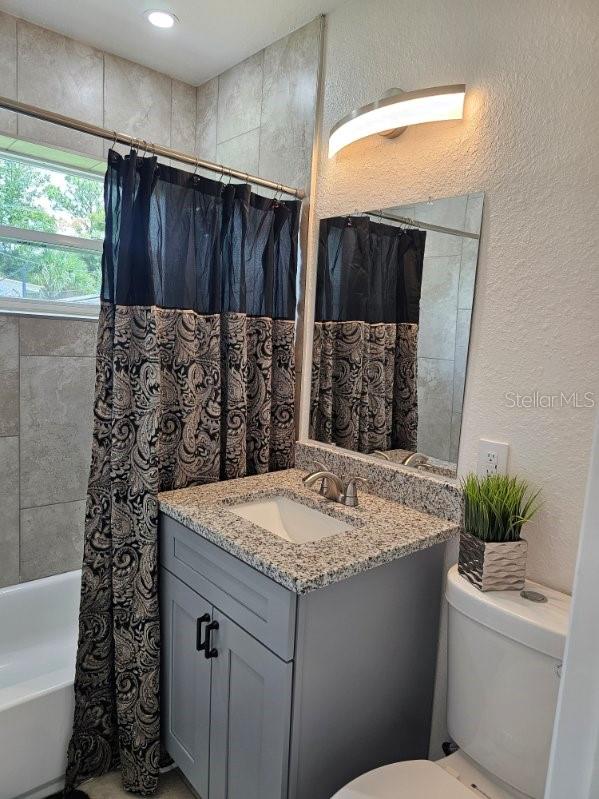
x=493, y=566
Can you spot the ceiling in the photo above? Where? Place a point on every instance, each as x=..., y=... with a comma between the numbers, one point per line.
x=211, y=36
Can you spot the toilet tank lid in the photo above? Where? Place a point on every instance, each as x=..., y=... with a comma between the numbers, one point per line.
x=540, y=626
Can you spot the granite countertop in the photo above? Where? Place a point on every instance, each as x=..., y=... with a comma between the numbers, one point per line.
x=383, y=530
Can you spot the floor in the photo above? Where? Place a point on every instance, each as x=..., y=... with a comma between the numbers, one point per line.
x=109, y=786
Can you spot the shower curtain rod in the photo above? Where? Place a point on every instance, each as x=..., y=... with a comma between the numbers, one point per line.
x=155, y=149
x=405, y=220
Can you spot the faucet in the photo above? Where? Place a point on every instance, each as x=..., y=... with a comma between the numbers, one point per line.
x=382, y=454
x=415, y=459
x=332, y=487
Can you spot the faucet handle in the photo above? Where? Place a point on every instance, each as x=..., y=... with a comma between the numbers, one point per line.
x=323, y=468
x=351, y=491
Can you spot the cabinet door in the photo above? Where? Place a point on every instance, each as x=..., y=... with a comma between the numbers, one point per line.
x=185, y=681
x=250, y=722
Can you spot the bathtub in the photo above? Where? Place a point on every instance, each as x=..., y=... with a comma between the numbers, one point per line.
x=38, y=638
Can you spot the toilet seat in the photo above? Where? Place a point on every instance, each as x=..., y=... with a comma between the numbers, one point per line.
x=412, y=779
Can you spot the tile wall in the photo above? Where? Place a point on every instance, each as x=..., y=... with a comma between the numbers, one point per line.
x=445, y=311
x=259, y=116
x=46, y=381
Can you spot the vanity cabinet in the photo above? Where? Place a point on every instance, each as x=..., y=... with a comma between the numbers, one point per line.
x=300, y=693
x=225, y=717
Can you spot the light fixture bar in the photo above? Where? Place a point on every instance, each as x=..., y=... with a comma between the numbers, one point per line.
x=390, y=115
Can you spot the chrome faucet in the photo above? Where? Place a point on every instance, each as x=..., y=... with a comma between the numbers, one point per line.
x=415, y=459
x=332, y=487
x=382, y=454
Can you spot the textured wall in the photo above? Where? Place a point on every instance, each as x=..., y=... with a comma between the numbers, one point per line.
x=532, y=111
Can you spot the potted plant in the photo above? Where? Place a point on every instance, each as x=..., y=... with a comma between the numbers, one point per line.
x=492, y=553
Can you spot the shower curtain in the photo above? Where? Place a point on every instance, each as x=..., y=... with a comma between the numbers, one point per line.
x=364, y=362
x=194, y=383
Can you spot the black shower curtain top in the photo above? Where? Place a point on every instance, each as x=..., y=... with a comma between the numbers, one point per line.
x=175, y=239
x=368, y=271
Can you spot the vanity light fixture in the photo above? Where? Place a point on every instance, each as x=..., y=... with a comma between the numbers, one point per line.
x=161, y=19
x=391, y=115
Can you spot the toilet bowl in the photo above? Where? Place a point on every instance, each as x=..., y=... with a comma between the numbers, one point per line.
x=454, y=777
x=504, y=665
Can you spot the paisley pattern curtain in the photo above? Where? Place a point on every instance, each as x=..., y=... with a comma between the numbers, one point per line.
x=364, y=394
x=364, y=359
x=194, y=383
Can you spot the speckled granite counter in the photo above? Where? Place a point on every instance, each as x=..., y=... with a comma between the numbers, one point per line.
x=383, y=530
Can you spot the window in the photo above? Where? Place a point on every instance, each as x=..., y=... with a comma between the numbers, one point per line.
x=51, y=231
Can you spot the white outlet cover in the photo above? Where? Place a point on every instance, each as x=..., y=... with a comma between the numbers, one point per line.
x=492, y=457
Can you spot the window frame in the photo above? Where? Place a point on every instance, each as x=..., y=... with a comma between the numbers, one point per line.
x=44, y=307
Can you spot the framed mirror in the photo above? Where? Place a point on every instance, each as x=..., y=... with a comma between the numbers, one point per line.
x=393, y=304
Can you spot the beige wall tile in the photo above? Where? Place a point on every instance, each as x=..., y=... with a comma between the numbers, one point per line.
x=474, y=213
x=9, y=375
x=183, y=117
x=8, y=70
x=51, y=539
x=137, y=100
x=56, y=428
x=241, y=153
x=288, y=106
x=62, y=75
x=9, y=403
x=438, y=307
x=435, y=391
x=460, y=359
x=47, y=336
x=207, y=112
x=9, y=511
x=468, y=273
x=9, y=342
x=456, y=429
x=447, y=211
x=240, y=98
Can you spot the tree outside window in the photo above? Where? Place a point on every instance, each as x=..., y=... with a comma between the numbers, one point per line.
x=36, y=198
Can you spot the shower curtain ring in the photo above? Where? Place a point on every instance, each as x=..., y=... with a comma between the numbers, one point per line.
x=113, y=139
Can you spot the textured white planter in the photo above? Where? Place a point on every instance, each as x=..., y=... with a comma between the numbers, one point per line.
x=493, y=566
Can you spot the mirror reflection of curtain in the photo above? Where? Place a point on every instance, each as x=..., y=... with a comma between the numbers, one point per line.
x=194, y=383
x=364, y=359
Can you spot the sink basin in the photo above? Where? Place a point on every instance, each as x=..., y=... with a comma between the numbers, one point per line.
x=290, y=520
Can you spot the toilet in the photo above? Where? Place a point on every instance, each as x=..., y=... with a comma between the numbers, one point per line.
x=504, y=665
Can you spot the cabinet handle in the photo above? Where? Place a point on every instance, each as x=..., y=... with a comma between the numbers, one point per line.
x=210, y=652
x=200, y=645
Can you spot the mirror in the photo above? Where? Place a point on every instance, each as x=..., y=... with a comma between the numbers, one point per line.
x=394, y=297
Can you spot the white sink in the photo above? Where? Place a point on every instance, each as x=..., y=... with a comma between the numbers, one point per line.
x=290, y=520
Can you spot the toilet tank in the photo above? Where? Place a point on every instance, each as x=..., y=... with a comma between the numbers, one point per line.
x=504, y=666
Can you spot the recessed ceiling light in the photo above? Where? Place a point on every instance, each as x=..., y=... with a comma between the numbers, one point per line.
x=161, y=19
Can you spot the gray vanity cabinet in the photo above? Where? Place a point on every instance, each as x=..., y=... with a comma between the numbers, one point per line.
x=186, y=680
x=304, y=692
x=251, y=710
x=225, y=718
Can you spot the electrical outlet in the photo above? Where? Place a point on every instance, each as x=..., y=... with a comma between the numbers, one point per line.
x=492, y=457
